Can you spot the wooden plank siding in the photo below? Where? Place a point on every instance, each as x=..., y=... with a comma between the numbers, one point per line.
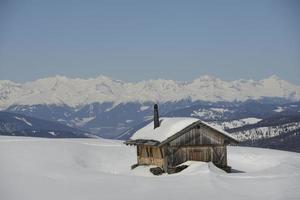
x=216, y=154
x=150, y=155
x=198, y=136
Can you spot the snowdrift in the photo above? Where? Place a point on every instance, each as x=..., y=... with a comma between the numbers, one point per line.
x=35, y=169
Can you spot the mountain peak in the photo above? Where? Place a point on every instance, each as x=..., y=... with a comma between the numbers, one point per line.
x=7, y=82
x=76, y=91
x=273, y=77
x=102, y=77
x=207, y=78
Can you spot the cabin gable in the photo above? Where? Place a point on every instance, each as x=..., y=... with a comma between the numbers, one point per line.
x=199, y=135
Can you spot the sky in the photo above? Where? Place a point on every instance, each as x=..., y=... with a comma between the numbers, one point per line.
x=141, y=40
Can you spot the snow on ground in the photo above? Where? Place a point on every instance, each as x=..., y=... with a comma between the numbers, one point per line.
x=213, y=113
x=143, y=108
x=279, y=109
x=23, y=120
x=220, y=110
x=266, y=132
x=81, y=122
x=238, y=123
x=52, y=133
x=36, y=168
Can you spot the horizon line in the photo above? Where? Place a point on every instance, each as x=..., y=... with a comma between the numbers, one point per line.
x=273, y=76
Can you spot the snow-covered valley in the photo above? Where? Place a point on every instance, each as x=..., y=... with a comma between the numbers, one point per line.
x=36, y=168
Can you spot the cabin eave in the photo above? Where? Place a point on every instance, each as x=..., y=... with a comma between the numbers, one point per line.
x=142, y=142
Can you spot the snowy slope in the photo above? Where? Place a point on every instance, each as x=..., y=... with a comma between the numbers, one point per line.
x=22, y=125
x=238, y=123
x=34, y=169
x=266, y=131
x=74, y=92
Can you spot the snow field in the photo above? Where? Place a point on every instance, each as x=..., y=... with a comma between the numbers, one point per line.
x=33, y=168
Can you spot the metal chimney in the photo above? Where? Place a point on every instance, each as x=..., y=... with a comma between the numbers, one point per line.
x=156, y=116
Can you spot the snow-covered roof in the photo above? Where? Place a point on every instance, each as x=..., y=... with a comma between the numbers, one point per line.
x=169, y=127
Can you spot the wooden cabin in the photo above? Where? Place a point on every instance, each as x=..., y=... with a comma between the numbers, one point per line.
x=168, y=142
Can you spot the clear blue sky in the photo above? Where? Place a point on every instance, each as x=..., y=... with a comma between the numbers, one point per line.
x=138, y=40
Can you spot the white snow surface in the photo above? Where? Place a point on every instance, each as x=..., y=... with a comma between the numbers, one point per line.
x=93, y=169
x=23, y=120
x=76, y=92
x=220, y=110
x=52, y=133
x=266, y=132
x=80, y=122
x=211, y=113
x=168, y=127
x=251, y=120
x=237, y=123
x=279, y=109
x=143, y=108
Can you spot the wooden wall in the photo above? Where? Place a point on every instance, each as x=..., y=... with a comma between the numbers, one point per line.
x=200, y=135
x=216, y=154
x=149, y=155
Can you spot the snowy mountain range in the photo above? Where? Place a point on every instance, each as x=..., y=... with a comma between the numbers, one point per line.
x=76, y=92
x=249, y=110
